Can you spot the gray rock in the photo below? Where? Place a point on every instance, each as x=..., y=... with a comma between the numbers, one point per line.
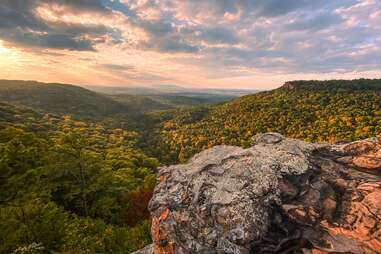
x=146, y=250
x=220, y=199
x=279, y=196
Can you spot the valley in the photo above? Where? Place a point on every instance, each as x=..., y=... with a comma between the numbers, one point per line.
x=78, y=167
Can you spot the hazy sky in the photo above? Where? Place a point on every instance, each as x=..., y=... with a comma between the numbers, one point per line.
x=200, y=43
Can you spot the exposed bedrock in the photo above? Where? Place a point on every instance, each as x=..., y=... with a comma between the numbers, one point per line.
x=279, y=196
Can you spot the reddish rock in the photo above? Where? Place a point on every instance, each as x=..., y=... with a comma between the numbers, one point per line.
x=359, y=147
x=367, y=162
x=159, y=232
x=361, y=223
x=279, y=196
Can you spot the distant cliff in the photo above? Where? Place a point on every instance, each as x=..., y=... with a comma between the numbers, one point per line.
x=280, y=195
x=334, y=85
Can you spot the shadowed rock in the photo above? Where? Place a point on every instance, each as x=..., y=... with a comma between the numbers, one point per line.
x=279, y=196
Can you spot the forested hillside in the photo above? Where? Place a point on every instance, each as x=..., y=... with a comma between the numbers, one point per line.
x=71, y=186
x=150, y=103
x=59, y=98
x=77, y=168
x=84, y=103
x=311, y=110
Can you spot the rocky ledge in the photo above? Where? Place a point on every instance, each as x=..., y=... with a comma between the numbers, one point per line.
x=279, y=196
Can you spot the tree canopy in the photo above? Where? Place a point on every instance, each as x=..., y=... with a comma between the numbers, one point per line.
x=77, y=178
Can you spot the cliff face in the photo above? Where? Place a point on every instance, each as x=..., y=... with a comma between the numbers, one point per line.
x=334, y=85
x=279, y=196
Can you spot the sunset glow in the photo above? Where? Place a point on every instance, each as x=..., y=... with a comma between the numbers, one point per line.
x=203, y=43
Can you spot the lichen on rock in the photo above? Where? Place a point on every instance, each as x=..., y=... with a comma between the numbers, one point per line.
x=279, y=196
x=220, y=199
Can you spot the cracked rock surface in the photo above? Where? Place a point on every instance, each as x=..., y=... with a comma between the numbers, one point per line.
x=279, y=196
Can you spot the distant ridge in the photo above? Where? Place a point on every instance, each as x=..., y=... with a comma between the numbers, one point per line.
x=170, y=90
x=333, y=111
x=355, y=84
x=58, y=98
x=98, y=102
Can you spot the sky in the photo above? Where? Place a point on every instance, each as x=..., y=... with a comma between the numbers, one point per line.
x=256, y=44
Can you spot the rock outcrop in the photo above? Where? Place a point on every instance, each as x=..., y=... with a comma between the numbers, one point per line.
x=279, y=196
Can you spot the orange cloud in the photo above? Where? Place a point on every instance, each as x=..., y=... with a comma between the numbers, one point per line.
x=203, y=43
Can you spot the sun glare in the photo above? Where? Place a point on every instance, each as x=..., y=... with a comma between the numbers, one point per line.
x=10, y=60
x=3, y=50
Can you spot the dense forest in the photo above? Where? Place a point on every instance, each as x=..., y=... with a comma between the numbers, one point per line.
x=323, y=111
x=71, y=186
x=77, y=168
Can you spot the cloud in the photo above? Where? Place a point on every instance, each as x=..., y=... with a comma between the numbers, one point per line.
x=170, y=45
x=164, y=37
x=21, y=25
x=17, y=13
x=94, y=5
x=271, y=8
x=213, y=38
x=51, y=41
x=130, y=72
x=211, y=35
x=117, y=67
x=316, y=22
x=218, y=10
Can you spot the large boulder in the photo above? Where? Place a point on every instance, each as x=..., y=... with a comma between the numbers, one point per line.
x=279, y=196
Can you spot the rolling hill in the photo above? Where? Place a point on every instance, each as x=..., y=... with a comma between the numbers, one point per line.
x=58, y=98
x=164, y=97
x=159, y=102
x=115, y=149
x=78, y=101
x=169, y=90
x=320, y=111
